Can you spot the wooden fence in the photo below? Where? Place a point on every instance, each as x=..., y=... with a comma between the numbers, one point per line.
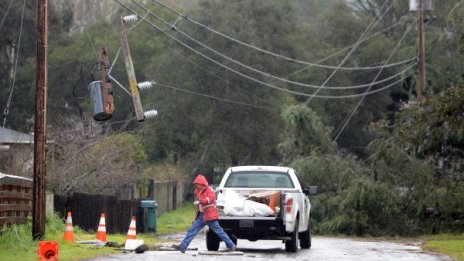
x=15, y=199
x=167, y=194
x=86, y=210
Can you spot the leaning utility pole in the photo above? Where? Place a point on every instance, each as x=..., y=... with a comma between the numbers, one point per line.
x=421, y=50
x=40, y=124
x=130, y=70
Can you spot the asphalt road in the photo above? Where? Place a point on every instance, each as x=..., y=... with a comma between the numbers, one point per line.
x=323, y=248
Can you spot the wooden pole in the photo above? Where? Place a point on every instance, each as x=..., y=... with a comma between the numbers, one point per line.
x=107, y=88
x=130, y=70
x=40, y=124
x=421, y=50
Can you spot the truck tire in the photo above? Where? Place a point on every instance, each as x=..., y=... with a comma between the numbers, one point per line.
x=292, y=244
x=305, y=237
x=212, y=241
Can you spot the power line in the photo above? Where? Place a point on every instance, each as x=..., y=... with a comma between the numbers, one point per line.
x=207, y=71
x=210, y=96
x=355, y=46
x=217, y=98
x=378, y=74
x=346, y=48
x=226, y=67
x=91, y=43
x=7, y=108
x=5, y=14
x=187, y=18
x=259, y=71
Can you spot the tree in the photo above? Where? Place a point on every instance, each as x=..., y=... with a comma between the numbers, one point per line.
x=81, y=161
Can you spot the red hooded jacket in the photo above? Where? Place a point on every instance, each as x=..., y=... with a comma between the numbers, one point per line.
x=207, y=199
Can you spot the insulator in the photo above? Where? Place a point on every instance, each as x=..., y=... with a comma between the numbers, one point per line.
x=130, y=18
x=150, y=114
x=145, y=85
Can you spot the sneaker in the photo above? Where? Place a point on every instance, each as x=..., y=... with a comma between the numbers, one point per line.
x=232, y=249
x=178, y=247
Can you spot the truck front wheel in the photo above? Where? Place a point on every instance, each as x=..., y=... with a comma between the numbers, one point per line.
x=305, y=237
x=292, y=244
x=212, y=241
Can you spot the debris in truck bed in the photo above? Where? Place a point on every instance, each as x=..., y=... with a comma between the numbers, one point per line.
x=270, y=198
x=233, y=204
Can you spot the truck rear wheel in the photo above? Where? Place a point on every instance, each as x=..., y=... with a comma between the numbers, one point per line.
x=212, y=241
x=292, y=244
x=305, y=237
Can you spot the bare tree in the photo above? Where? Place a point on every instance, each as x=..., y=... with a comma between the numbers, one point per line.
x=93, y=163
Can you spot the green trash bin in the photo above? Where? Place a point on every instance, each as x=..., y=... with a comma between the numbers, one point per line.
x=148, y=210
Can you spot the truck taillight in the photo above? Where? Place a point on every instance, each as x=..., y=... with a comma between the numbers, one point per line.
x=289, y=205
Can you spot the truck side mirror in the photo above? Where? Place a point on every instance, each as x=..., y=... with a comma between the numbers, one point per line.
x=311, y=191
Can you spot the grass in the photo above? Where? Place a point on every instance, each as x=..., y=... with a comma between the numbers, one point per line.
x=451, y=245
x=175, y=221
x=16, y=241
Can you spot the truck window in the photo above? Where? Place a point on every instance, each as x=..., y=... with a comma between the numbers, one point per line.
x=259, y=180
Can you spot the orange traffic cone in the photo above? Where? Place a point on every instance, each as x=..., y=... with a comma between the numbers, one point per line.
x=68, y=230
x=47, y=250
x=131, y=242
x=101, y=232
x=131, y=233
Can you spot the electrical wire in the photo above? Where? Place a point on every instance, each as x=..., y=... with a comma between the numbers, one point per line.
x=346, y=48
x=328, y=97
x=226, y=67
x=355, y=46
x=5, y=14
x=81, y=79
x=217, y=98
x=378, y=74
x=8, y=103
x=259, y=71
x=187, y=18
x=206, y=70
x=91, y=43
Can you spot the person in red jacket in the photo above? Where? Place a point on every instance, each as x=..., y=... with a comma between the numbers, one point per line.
x=206, y=214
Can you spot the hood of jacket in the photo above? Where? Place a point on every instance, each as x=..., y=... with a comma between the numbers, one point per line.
x=200, y=179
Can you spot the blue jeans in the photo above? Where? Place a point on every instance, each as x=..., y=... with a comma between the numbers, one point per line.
x=198, y=224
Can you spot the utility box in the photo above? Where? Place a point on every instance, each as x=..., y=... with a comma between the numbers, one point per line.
x=96, y=96
x=148, y=209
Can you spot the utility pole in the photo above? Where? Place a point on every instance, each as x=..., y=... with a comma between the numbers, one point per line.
x=40, y=124
x=107, y=89
x=130, y=70
x=421, y=50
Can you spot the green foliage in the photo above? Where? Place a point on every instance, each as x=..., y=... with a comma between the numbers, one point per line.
x=436, y=133
x=126, y=146
x=421, y=158
x=304, y=133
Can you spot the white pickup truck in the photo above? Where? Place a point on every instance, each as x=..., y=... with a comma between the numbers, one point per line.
x=281, y=190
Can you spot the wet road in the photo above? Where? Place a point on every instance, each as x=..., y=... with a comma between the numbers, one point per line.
x=323, y=248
